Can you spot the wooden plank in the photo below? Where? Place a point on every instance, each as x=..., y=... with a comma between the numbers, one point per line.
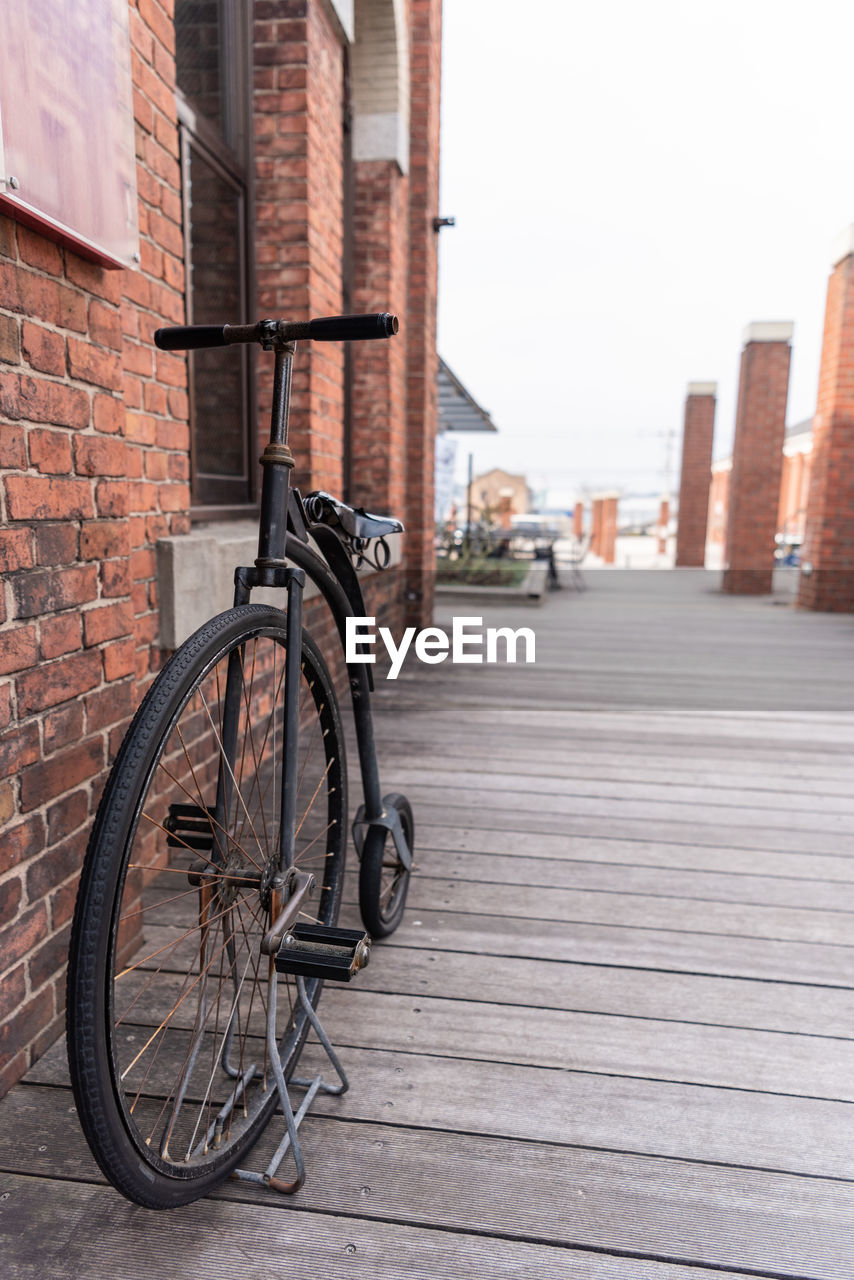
x=635, y=947
x=778, y=863
x=569, y=1196
x=617, y=826
x=475, y=781
x=567, y=1107
x=706, y=885
x=544, y=984
x=79, y=1230
x=615, y=1044
x=526, y=757
x=641, y=911
x=517, y=803
x=728, y=1126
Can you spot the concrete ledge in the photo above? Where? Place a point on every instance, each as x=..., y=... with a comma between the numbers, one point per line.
x=769, y=331
x=195, y=575
x=702, y=388
x=531, y=591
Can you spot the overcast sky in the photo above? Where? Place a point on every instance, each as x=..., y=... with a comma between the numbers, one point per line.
x=633, y=184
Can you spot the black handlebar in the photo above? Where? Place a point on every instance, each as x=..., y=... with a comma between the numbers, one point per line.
x=192, y=337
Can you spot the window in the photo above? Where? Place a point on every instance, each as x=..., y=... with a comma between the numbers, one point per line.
x=213, y=71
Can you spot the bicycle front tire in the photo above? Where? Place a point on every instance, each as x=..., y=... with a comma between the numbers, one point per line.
x=166, y=982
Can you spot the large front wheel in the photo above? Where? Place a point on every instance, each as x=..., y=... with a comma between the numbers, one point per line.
x=167, y=985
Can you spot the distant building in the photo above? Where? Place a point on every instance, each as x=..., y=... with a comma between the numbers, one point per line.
x=497, y=495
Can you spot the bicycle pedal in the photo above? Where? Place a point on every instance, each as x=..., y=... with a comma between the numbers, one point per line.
x=319, y=951
x=190, y=826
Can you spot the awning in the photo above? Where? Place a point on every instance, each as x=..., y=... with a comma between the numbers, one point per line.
x=459, y=411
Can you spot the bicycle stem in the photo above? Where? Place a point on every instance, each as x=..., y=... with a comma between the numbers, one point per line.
x=277, y=462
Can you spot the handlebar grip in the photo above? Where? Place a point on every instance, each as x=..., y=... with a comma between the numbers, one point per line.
x=190, y=337
x=353, y=328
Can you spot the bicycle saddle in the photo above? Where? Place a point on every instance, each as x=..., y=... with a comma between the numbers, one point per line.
x=322, y=508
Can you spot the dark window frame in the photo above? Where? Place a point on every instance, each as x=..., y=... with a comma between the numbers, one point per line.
x=224, y=497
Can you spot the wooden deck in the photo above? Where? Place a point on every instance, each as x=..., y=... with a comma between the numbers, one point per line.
x=615, y=1035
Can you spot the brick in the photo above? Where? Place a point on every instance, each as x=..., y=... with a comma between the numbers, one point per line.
x=94, y=279
x=116, y=578
x=23, y=841
x=21, y=936
x=112, y=499
x=43, y=591
x=50, y=451
x=55, y=866
x=62, y=726
x=19, y=746
x=174, y=497
x=107, y=622
x=57, y=682
x=38, y=400
x=113, y=705
x=36, y=251
x=13, y=448
x=10, y=340
x=48, y=958
x=138, y=359
x=104, y=539
x=12, y=992
x=11, y=893
x=8, y=238
x=119, y=659
x=92, y=364
x=105, y=327
x=56, y=544
x=108, y=414
x=43, y=349
x=72, y=309
x=5, y=704
x=18, y=649
x=7, y=802
x=60, y=635
x=31, y=498
x=99, y=456
x=62, y=772
x=16, y=549
x=69, y=813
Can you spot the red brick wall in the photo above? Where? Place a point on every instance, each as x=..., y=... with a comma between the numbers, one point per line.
x=93, y=450
x=94, y=441
x=695, y=480
x=757, y=462
x=425, y=70
x=829, y=539
x=379, y=368
x=298, y=105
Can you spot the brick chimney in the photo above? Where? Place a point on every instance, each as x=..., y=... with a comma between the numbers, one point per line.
x=757, y=459
x=827, y=557
x=696, y=477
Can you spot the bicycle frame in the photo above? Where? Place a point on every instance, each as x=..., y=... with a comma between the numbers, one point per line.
x=283, y=536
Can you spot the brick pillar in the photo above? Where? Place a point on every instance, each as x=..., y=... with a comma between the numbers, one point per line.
x=609, y=528
x=578, y=521
x=827, y=559
x=663, y=521
x=596, y=527
x=696, y=476
x=757, y=459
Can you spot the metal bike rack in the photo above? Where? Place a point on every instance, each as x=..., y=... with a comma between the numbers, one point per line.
x=313, y=1086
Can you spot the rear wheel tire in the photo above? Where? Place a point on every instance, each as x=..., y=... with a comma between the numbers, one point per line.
x=383, y=879
x=167, y=987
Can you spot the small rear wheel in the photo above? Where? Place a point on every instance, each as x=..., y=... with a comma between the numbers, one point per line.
x=383, y=879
